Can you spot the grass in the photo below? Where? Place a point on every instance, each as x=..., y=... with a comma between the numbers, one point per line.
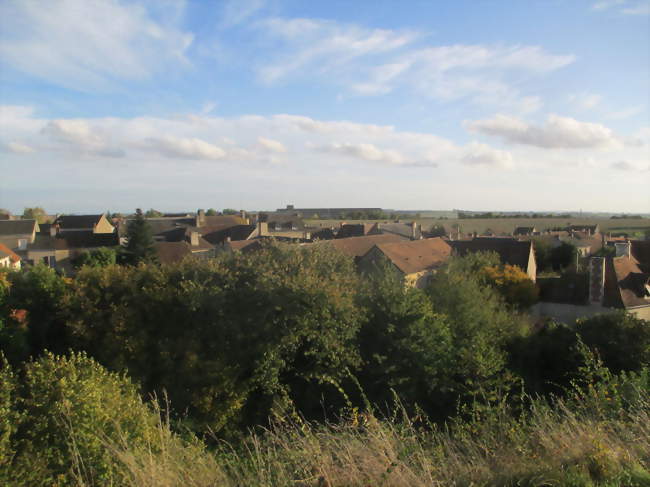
x=552, y=445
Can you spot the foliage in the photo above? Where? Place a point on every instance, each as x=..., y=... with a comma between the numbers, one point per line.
x=480, y=324
x=543, y=251
x=101, y=257
x=563, y=256
x=151, y=213
x=211, y=212
x=404, y=344
x=60, y=416
x=139, y=247
x=36, y=213
x=231, y=340
x=39, y=291
x=230, y=211
x=513, y=284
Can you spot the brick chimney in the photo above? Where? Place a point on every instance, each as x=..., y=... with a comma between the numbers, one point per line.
x=194, y=239
x=596, y=280
x=623, y=249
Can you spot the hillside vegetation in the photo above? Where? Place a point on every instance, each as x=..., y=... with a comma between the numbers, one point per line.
x=283, y=367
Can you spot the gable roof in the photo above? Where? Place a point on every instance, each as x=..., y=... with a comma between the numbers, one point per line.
x=640, y=250
x=7, y=252
x=523, y=230
x=246, y=245
x=511, y=251
x=417, y=255
x=171, y=252
x=219, y=235
x=359, y=246
x=631, y=282
x=223, y=221
x=356, y=229
x=403, y=229
x=78, y=221
x=76, y=239
x=17, y=227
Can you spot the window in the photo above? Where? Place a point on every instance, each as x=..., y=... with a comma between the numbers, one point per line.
x=22, y=243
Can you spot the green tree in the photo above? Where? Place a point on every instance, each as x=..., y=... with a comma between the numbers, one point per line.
x=542, y=254
x=151, y=213
x=56, y=422
x=230, y=211
x=437, y=231
x=36, y=213
x=405, y=346
x=563, y=256
x=140, y=244
x=232, y=340
x=101, y=257
x=211, y=212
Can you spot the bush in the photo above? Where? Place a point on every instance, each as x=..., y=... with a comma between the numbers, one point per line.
x=61, y=416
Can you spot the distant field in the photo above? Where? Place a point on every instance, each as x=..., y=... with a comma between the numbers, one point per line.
x=507, y=225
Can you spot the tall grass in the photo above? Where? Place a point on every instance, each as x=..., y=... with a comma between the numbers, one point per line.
x=579, y=442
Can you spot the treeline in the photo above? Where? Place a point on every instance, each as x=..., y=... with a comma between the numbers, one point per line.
x=242, y=341
x=463, y=215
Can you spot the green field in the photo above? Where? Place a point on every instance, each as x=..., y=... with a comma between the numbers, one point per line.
x=632, y=226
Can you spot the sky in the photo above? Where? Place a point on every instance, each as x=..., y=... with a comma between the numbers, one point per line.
x=505, y=105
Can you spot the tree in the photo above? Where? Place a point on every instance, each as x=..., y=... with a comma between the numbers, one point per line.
x=513, y=284
x=37, y=213
x=211, y=212
x=563, y=256
x=151, y=213
x=139, y=247
x=63, y=401
x=101, y=257
x=229, y=211
x=542, y=254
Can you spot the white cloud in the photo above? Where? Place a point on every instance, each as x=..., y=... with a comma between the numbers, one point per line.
x=556, y=132
x=605, y=4
x=185, y=148
x=639, y=7
x=18, y=147
x=623, y=166
x=367, y=152
x=477, y=154
x=271, y=145
x=585, y=100
x=371, y=62
x=87, y=45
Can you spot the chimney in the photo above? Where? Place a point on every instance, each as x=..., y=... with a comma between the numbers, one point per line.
x=262, y=229
x=623, y=249
x=228, y=239
x=54, y=230
x=200, y=218
x=414, y=227
x=242, y=214
x=596, y=280
x=194, y=239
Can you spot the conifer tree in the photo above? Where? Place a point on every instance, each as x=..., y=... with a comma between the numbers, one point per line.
x=139, y=247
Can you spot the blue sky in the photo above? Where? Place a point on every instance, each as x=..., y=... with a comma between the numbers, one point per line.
x=494, y=105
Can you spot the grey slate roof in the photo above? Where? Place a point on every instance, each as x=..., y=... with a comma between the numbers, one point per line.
x=16, y=227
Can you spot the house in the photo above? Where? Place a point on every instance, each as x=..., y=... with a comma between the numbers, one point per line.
x=347, y=230
x=8, y=258
x=88, y=223
x=587, y=229
x=58, y=250
x=511, y=251
x=624, y=283
x=357, y=247
x=414, y=260
x=411, y=230
x=521, y=231
x=18, y=234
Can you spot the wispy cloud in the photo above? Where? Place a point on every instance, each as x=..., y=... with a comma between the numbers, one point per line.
x=85, y=45
x=585, y=100
x=626, y=7
x=556, y=132
x=371, y=62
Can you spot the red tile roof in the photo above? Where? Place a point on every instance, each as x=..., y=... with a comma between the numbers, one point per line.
x=7, y=252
